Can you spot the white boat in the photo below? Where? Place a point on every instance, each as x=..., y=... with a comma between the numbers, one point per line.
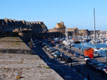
x=106, y=42
x=103, y=48
x=96, y=50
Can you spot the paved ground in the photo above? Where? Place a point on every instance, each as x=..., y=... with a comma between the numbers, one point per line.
x=29, y=67
x=101, y=59
x=22, y=66
x=63, y=70
x=80, y=67
x=12, y=43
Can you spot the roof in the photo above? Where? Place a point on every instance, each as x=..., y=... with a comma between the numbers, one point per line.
x=83, y=29
x=71, y=29
x=59, y=25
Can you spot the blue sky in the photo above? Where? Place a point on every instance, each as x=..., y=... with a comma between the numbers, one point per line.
x=74, y=13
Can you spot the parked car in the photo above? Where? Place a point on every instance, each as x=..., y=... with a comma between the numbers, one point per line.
x=43, y=44
x=52, y=50
x=68, y=50
x=76, y=54
x=72, y=52
x=66, y=58
x=91, y=62
x=86, y=58
x=49, y=49
x=58, y=55
x=46, y=47
x=99, y=66
x=53, y=53
x=81, y=56
x=94, y=65
x=104, y=69
x=64, y=48
x=52, y=44
x=57, y=45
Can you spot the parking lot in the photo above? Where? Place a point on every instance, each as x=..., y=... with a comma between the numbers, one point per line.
x=67, y=62
x=79, y=65
x=62, y=69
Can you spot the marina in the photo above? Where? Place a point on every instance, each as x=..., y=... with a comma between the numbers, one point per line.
x=99, y=48
x=53, y=40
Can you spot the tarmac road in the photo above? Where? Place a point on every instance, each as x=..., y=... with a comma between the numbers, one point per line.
x=79, y=66
x=63, y=70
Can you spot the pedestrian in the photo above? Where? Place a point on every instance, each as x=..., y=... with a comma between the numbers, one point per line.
x=88, y=77
x=78, y=70
x=71, y=64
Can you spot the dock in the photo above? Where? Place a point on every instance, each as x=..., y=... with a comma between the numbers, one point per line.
x=100, y=59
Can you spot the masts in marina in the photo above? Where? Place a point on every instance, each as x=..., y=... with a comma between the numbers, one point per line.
x=66, y=35
x=106, y=34
x=94, y=26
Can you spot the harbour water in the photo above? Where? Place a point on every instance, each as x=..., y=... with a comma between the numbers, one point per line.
x=83, y=46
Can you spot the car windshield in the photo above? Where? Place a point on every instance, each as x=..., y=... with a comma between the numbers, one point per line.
x=93, y=60
x=105, y=67
x=57, y=52
x=101, y=64
x=86, y=57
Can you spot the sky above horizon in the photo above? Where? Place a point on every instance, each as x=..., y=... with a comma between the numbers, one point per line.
x=74, y=13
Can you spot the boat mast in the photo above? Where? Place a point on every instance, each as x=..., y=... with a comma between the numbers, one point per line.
x=94, y=26
x=66, y=35
x=106, y=34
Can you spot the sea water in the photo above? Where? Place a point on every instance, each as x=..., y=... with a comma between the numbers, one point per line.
x=83, y=46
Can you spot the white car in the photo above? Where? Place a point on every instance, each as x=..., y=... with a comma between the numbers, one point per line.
x=104, y=69
x=86, y=58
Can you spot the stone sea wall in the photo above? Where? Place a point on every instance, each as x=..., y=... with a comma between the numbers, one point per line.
x=17, y=51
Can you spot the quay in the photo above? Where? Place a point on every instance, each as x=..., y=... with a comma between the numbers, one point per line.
x=100, y=59
x=79, y=66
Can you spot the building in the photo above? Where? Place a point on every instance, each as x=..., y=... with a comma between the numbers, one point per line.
x=59, y=28
x=91, y=32
x=73, y=32
x=89, y=52
x=9, y=25
x=83, y=32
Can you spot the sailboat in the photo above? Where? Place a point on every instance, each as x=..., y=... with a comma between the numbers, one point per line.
x=67, y=41
x=106, y=38
x=94, y=40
